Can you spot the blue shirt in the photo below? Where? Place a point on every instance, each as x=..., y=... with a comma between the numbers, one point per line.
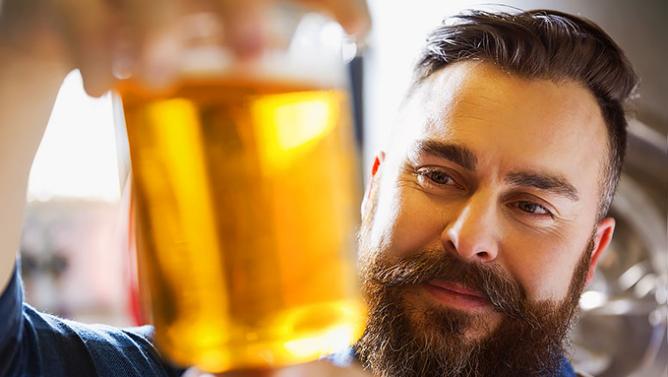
x=34, y=344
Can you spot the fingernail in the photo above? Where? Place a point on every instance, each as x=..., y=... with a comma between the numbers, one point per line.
x=161, y=59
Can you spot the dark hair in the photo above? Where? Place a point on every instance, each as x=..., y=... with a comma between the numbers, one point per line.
x=543, y=44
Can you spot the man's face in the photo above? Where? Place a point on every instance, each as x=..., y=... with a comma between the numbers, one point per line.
x=480, y=222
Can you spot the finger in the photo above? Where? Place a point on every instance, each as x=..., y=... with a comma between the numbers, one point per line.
x=153, y=38
x=353, y=15
x=87, y=27
x=246, y=25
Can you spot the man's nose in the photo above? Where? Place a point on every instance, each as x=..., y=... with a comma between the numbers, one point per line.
x=472, y=232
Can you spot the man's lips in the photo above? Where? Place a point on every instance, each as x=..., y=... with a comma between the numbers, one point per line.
x=456, y=295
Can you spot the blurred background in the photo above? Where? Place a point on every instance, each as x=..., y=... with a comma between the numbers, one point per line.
x=76, y=259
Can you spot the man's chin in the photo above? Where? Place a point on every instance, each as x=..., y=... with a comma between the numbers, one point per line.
x=437, y=321
x=408, y=335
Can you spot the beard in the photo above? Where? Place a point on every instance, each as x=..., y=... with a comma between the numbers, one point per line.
x=402, y=340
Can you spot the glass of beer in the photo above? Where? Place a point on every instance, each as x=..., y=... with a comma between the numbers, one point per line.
x=245, y=190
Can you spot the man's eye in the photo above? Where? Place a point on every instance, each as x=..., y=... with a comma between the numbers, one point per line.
x=435, y=176
x=533, y=208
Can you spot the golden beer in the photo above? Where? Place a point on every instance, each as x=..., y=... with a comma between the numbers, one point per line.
x=246, y=194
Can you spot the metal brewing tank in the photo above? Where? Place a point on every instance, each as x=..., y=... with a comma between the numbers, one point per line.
x=623, y=326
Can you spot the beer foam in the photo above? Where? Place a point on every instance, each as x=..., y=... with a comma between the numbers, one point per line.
x=313, y=69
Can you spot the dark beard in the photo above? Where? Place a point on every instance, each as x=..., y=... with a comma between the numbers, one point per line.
x=528, y=342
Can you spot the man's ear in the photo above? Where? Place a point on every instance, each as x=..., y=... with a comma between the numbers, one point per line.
x=602, y=237
x=378, y=161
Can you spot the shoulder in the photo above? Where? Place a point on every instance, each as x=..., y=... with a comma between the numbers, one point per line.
x=46, y=327
x=101, y=350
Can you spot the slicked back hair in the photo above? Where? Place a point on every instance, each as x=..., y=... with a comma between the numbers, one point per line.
x=544, y=44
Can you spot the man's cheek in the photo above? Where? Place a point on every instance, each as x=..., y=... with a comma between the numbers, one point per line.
x=542, y=278
x=409, y=225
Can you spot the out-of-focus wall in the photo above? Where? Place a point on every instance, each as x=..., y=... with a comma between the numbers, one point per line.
x=74, y=262
x=400, y=28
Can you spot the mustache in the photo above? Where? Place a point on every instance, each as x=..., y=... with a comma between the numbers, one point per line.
x=504, y=293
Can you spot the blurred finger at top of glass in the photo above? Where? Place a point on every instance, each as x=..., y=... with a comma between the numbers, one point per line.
x=106, y=40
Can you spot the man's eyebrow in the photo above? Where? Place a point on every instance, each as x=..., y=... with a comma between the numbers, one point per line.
x=458, y=154
x=545, y=182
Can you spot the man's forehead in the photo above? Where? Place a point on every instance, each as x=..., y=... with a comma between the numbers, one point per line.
x=522, y=123
x=471, y=88
x=477, y=97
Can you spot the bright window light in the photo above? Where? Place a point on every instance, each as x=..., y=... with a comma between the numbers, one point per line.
x=77, y=156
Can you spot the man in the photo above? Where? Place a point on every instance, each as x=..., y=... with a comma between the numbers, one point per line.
x=483, y=219
x=486, y=216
